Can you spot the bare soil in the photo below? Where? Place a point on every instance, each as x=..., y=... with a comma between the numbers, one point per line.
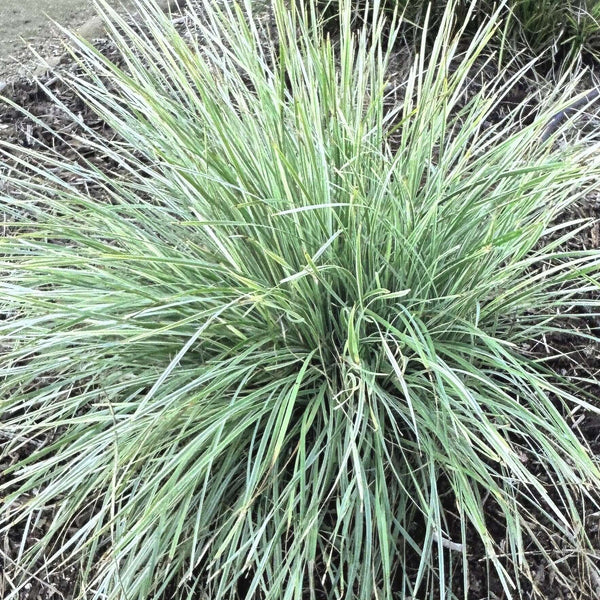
x=27, y=25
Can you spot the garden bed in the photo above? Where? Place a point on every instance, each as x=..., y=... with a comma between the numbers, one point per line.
x=556, y=575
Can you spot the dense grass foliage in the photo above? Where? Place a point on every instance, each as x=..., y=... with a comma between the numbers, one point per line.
x=565, y=29
x=275, y=349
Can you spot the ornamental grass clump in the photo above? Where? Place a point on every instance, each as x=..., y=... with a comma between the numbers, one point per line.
x=554, y=29
x=277, y=346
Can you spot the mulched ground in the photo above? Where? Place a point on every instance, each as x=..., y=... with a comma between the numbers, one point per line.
x=559, y=576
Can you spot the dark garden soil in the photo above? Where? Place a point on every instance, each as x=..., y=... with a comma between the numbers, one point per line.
x=556, y=573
